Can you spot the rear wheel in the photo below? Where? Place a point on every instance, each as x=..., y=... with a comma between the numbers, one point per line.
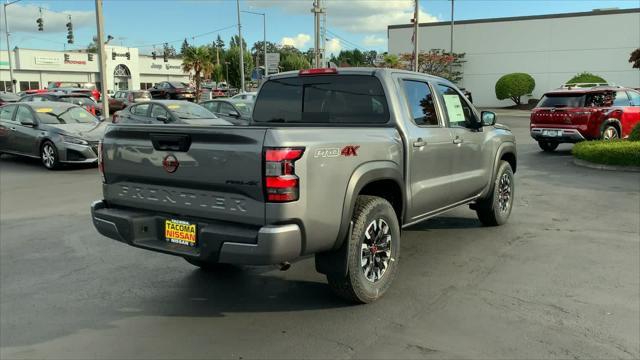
x=548, y=146
x=49, y=155
x=495, y=209
x=373, y=252
x=167, y=96
x=610, y=132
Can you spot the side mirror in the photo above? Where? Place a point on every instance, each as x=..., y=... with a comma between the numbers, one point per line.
x=29, y=123
x=488, y=118
x=162, y=118
x=100, y=118
x=234, y=114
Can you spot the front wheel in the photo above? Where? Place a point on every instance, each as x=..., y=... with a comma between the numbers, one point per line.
x=610, y=132
x=49, y=155
x=495, y=209
x=373, y=252
x=548, y=146
x=167, y=96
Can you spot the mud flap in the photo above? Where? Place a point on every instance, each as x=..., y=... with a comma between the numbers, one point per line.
x=335, y=263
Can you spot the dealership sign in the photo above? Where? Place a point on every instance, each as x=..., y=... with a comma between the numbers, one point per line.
x=47, y=60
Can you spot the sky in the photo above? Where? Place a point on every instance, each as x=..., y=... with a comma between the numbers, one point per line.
x=351, y=24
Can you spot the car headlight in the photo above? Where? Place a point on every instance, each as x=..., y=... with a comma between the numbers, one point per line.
x=74, y=140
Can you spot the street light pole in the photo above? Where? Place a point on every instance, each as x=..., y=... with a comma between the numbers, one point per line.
x=102, y=57
x=226, y=65
x=6, y=29
x=416, y=26
x=264, y=39
x=451, y=45
x=241, y=49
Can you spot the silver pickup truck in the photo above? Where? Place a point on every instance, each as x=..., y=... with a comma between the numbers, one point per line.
x=334, y=163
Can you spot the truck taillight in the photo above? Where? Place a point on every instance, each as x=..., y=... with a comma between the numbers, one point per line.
x=101, y=161
x=281, y=182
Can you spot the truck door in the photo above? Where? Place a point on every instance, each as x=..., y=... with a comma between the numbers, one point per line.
x=428, y=149
x=470, y=174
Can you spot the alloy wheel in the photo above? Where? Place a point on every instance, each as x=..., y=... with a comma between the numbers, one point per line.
x=375, y=251
x=504, y=193
x=610, y=133
x=48, y=156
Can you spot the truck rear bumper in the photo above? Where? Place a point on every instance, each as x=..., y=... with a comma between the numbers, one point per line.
x=217, y=241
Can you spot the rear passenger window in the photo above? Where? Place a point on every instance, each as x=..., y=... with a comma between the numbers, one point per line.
x=420, y=100
x=158, y=110
x=140, y=110
x=620, y=99
x=635, y=98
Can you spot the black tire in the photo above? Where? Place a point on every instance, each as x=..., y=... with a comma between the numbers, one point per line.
x=610, y=132
x=167, y=96
x=548, y=146
x=49, y=155
x=210, y=266
x=495, y=209
x=356, y=286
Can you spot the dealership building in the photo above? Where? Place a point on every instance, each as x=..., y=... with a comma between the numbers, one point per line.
x=551, y=48
x=127, y=69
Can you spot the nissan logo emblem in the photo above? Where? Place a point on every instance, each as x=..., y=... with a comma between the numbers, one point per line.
x=170, y=164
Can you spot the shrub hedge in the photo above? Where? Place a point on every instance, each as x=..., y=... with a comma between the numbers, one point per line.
x=513, y=86
x=618, y=152
x=635, y=133
x=585, y=77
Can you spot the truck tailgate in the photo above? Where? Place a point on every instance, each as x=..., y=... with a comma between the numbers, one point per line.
x=218, y=174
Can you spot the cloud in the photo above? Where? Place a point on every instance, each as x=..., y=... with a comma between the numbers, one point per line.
x=333, y=46
x=374, y=41
x=355, y=16
x=22, y=18
x=299, y=41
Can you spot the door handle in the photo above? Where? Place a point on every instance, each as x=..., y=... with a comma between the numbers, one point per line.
x=419, y=143
x=458, y=141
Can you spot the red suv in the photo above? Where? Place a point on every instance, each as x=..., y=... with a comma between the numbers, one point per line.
x=570, y=115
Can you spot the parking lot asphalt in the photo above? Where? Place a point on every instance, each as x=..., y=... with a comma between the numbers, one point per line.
x=560, y=280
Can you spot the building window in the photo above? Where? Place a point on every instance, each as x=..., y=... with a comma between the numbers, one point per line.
x=29, y=85
x=145, y=86
x=5, y=86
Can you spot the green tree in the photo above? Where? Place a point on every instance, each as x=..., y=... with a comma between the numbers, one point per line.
x=391, y=61
x=437, y=62
x=232, y=56
x=370, y=57
x=586, y=78
x=290, y=62
x=289, y=49
x=514, y=86
x=634, y=59
x=218, y=73
x=219, y=42
x=197, y=59
x=352, y=58
x=235, y=40
x=258, y=53
x=93, y=46
x=169, y=50
x=185, y=46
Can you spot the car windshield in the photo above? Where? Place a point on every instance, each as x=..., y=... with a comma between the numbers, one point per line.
x=78, y=100
x=187, y=110
x=346, y=99
x=244, y=109
x=64, y=115
x=562, y=100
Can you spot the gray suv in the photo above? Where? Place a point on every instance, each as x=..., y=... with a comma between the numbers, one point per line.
x=335, y=163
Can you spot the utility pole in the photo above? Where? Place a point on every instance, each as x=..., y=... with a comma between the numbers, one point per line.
x=102, y=58
x=6, y=30
x=451, y=45
x=317, y=11
x=264, y=40
x=415, y=36
x=241, y=49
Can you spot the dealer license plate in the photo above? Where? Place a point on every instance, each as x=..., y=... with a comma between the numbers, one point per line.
x=180, y=232
x=552, y=133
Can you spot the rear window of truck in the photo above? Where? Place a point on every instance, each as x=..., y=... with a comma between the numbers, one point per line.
x=596, y=99
x=335, y=99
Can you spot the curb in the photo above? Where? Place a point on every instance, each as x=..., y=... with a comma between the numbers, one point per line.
x=591, y=165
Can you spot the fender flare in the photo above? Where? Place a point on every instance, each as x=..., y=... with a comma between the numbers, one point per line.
x=504, y=148
x=335, y=260
x=609, y=121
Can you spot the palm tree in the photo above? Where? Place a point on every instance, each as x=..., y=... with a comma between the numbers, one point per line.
x=198, y=60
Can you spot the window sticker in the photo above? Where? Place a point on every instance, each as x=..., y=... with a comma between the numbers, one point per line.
x=454, y=108
x=44, y=110
x=173, y=107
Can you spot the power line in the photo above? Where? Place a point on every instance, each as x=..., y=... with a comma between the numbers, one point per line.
x=347, y=41
x=179, y=40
